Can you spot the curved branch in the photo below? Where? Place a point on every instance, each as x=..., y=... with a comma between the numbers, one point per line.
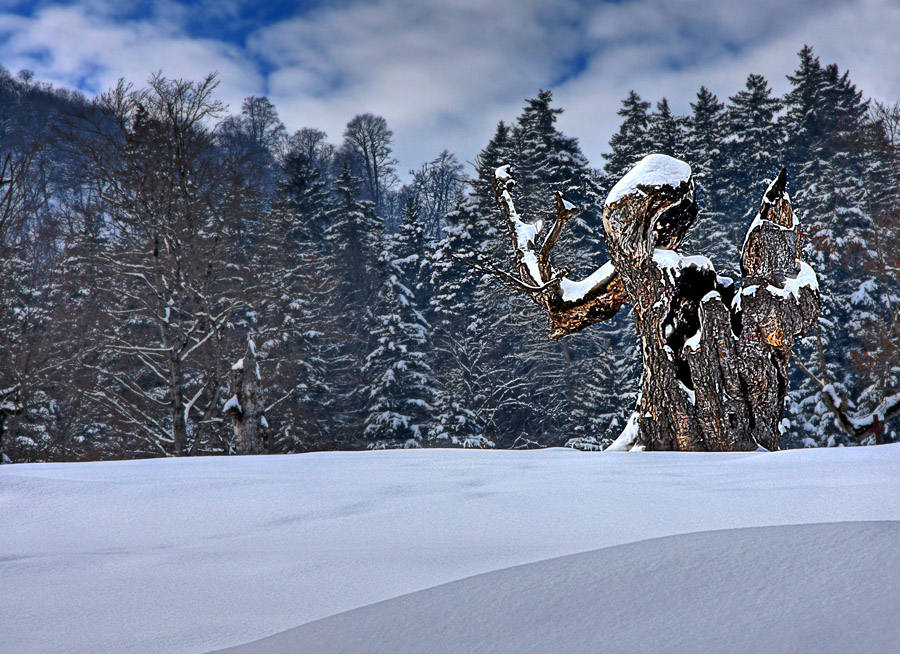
x=571, y=305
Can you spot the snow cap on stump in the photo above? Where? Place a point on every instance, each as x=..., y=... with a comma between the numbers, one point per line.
x=652, y=170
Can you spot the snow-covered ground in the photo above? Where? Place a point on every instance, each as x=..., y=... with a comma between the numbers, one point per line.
x=455, y=551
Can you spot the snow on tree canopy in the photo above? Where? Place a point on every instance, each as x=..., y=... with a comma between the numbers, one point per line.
x=652, y=170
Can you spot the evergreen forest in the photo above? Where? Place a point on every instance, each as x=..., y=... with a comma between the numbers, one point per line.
x=160, y=255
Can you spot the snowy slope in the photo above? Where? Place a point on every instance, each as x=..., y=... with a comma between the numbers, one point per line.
x=744, y=590
x=193, y=555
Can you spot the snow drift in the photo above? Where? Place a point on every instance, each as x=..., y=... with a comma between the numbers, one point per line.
x=744, y=590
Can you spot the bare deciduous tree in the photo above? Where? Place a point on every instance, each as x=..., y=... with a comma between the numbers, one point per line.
x=368, y=137
x=172, y=205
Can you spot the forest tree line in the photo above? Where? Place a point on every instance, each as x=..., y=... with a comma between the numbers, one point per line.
x=169, y=272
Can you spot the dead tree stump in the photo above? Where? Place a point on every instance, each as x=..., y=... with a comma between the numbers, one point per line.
x=246, y=408
x=715, y=355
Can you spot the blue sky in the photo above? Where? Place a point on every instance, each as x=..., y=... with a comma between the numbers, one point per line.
x=443, y=72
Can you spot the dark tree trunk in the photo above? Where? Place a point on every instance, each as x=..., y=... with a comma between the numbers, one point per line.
x=246, y=408
x=176, y=388
x=715, y=356
x=715, y=359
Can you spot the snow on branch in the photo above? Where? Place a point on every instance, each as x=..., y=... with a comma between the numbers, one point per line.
x=571, y=305
x=524, y=235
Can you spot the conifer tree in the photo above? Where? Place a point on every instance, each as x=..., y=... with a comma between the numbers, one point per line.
x=705, y=149
x=755, y=144
x=297, y=307
x=825, y=113
x=400, y=393
x=666, y=132
x=351, y=235
x=304, y=194
x=548, y=162
x=804, y=121
x=632, y=141
x=352, y=238
x=462, y=363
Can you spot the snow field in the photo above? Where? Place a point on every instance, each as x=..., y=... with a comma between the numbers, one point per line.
x=192, y=555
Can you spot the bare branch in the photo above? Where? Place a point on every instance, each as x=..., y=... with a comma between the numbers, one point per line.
x=564, y=211
x=524, y=235
x=514, y=283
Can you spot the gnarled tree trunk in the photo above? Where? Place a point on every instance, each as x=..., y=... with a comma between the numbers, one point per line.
x=246, y=408
x=715, y=356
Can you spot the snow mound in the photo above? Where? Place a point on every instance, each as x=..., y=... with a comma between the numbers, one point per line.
x=764, y=589
x=652, y=170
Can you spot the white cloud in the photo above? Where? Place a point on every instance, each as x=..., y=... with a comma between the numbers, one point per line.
x=88, y=46
x=443, y=73
x=718, y=45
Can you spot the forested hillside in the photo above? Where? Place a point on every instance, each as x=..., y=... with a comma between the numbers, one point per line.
x=176, y=280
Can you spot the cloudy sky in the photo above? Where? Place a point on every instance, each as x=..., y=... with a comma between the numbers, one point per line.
x=443, y=72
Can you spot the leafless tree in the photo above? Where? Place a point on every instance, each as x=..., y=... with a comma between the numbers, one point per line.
x=369, y=138
x=172, y=204
x=436, y=189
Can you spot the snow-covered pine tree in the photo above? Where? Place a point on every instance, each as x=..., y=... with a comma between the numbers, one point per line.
x=705, y=149
x=299, y=327
x=464, y=401
x=548, y=162
x=471, y=398
x=754, y=147
x=352, y=239
x=461, y=362
x=876, y=354
x=303, y=193
x=666, y=131
x=351, y=236
x=825, y=119
x=481, y=229
x=803, y=121
x=632, y=142
x=552, y=162
x=400, y=384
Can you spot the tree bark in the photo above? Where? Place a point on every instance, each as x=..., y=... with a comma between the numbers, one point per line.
x=715, y=357
x=246, y=408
